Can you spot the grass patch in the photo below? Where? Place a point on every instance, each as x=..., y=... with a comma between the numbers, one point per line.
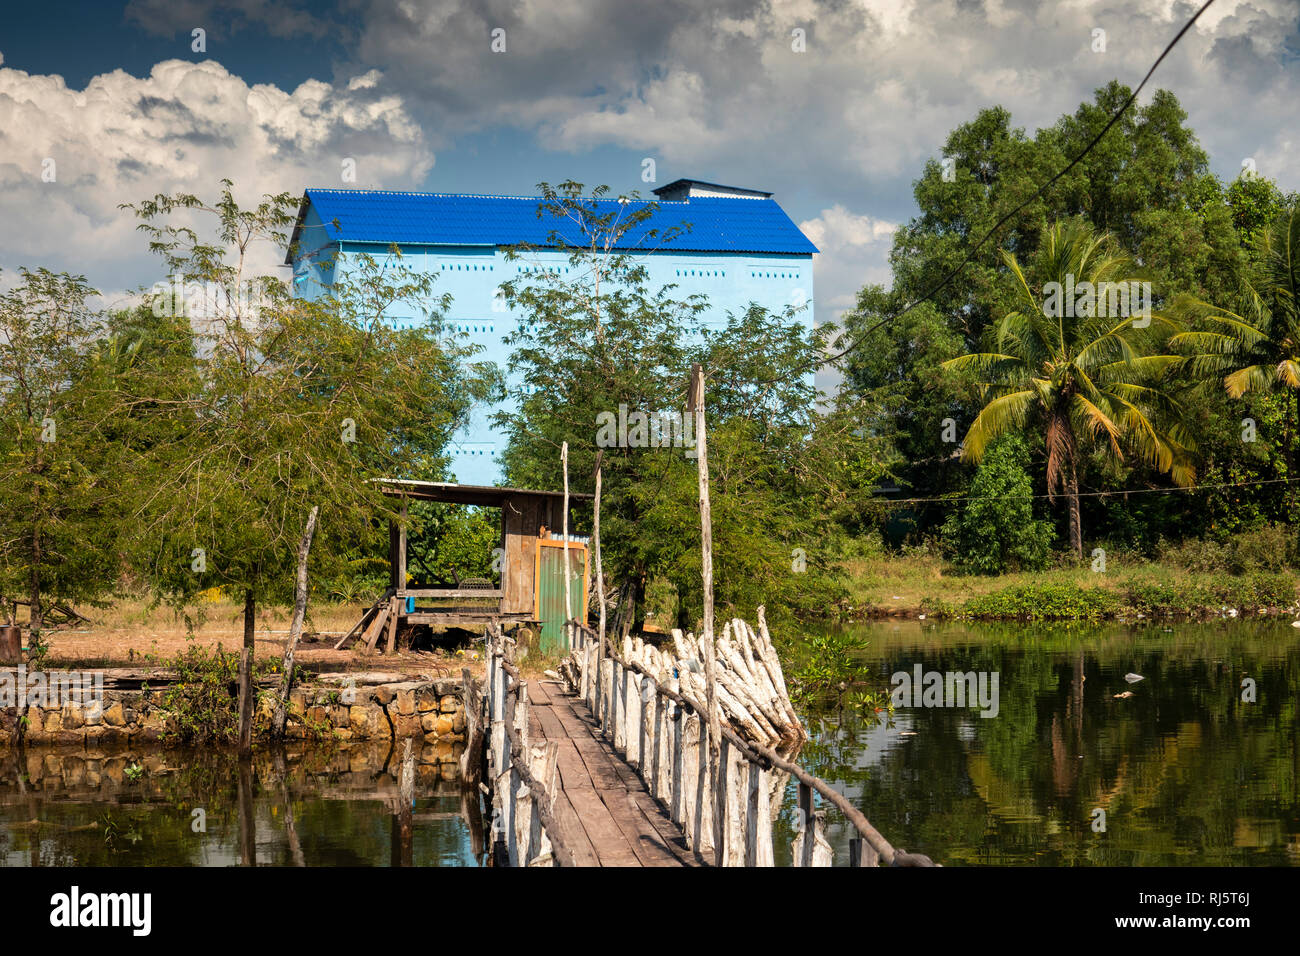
x=918, y=583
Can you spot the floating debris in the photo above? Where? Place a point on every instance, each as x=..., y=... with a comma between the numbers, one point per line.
x=1133, y=678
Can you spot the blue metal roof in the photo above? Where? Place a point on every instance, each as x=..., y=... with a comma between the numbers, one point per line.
x=413, y=218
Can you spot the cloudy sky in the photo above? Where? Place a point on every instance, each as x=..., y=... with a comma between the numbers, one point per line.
x=114, y=100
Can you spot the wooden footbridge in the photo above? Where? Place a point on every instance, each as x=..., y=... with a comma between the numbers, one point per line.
x=609, y=767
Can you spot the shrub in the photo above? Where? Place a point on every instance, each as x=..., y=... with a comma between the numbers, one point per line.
x=1045, y=602
x=1267, y=549
x=204, y=700
x=1258, y=590
x=995, y=531
x=1194, y=554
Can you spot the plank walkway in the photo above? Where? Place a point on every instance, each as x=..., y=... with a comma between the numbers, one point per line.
x=603, y=810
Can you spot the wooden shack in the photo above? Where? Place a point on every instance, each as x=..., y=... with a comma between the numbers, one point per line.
x=531, y=550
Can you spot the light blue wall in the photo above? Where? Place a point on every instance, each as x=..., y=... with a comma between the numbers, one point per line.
x=472, y=274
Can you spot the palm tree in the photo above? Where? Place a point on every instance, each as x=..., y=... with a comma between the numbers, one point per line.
x=1257, y=349
x=1079, y=377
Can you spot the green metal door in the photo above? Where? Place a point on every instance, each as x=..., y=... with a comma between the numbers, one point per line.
x=550, y=594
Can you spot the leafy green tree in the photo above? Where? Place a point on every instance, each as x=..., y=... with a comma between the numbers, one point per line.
x=296, y=404
x=450, y=542
x=1255, y=203
x=598, y=344
x=995, y=530
x=57, y=539
x=1147, y=183
x=1256, y=349
x=592, y=345
x=1077, y=378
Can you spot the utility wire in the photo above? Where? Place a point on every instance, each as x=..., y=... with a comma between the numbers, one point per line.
x=1087, y=494
x=956, y=270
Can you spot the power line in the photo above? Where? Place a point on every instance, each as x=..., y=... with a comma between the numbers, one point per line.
x=953, y=273
x=1089, y=494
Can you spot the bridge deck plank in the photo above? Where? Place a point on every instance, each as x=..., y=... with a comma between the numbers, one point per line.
x=572, y=832
x=603, y=810
x=644, y=839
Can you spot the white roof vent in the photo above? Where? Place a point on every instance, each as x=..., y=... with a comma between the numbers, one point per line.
x=684, y=190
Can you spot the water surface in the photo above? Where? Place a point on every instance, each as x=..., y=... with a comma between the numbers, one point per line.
x=320, y=805
x=1186, y=772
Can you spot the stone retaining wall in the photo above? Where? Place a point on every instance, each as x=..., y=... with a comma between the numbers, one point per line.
x=339, y=707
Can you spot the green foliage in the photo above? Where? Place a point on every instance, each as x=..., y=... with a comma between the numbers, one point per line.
x=1147, y=185
x=1256, y=591
x=996, y=531
x=452, y=541
x=203, y=702
x=829, y=671
x=1078, y=379
x=295, y=404
x=1043, y=602
x=58, y=469
x=1271, y=548
x=599, y=343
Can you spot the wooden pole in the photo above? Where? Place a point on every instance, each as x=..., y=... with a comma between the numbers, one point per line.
x=695, y=404
x=246, y=675
x=295, y=629
x=564, y=521
x=401, y=549
x=600, y=578
x=696, y=399
x=247, y=822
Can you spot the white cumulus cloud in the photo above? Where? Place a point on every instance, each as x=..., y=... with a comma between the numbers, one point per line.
x=69, y=157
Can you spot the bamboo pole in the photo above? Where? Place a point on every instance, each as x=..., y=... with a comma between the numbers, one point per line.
x=600, y=583
x=706, y=515
x=564, y=521
x=695, y=400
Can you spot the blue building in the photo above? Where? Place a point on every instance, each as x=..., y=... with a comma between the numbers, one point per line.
x=740, y=247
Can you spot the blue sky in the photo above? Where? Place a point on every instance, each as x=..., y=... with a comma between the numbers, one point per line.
x=588, y=90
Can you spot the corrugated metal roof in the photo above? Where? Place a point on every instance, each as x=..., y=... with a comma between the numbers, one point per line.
x=717, y=224
x=466, y=494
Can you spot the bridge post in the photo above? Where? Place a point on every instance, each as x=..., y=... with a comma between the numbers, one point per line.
x=731, y=795
x=520, y=714
x=803, y=830
x=619, y=735
x=510, y=798
x=543, y=762
x=677, y=772
x=660, y=789
x=758, y=820
x=634, y=729
x=693, y=768
x=645, y=747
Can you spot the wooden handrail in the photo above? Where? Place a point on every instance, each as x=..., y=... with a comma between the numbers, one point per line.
x=559, y=849
x=540, y=795
x=766, y=758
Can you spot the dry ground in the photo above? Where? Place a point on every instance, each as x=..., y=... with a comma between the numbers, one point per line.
x=130, y=633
